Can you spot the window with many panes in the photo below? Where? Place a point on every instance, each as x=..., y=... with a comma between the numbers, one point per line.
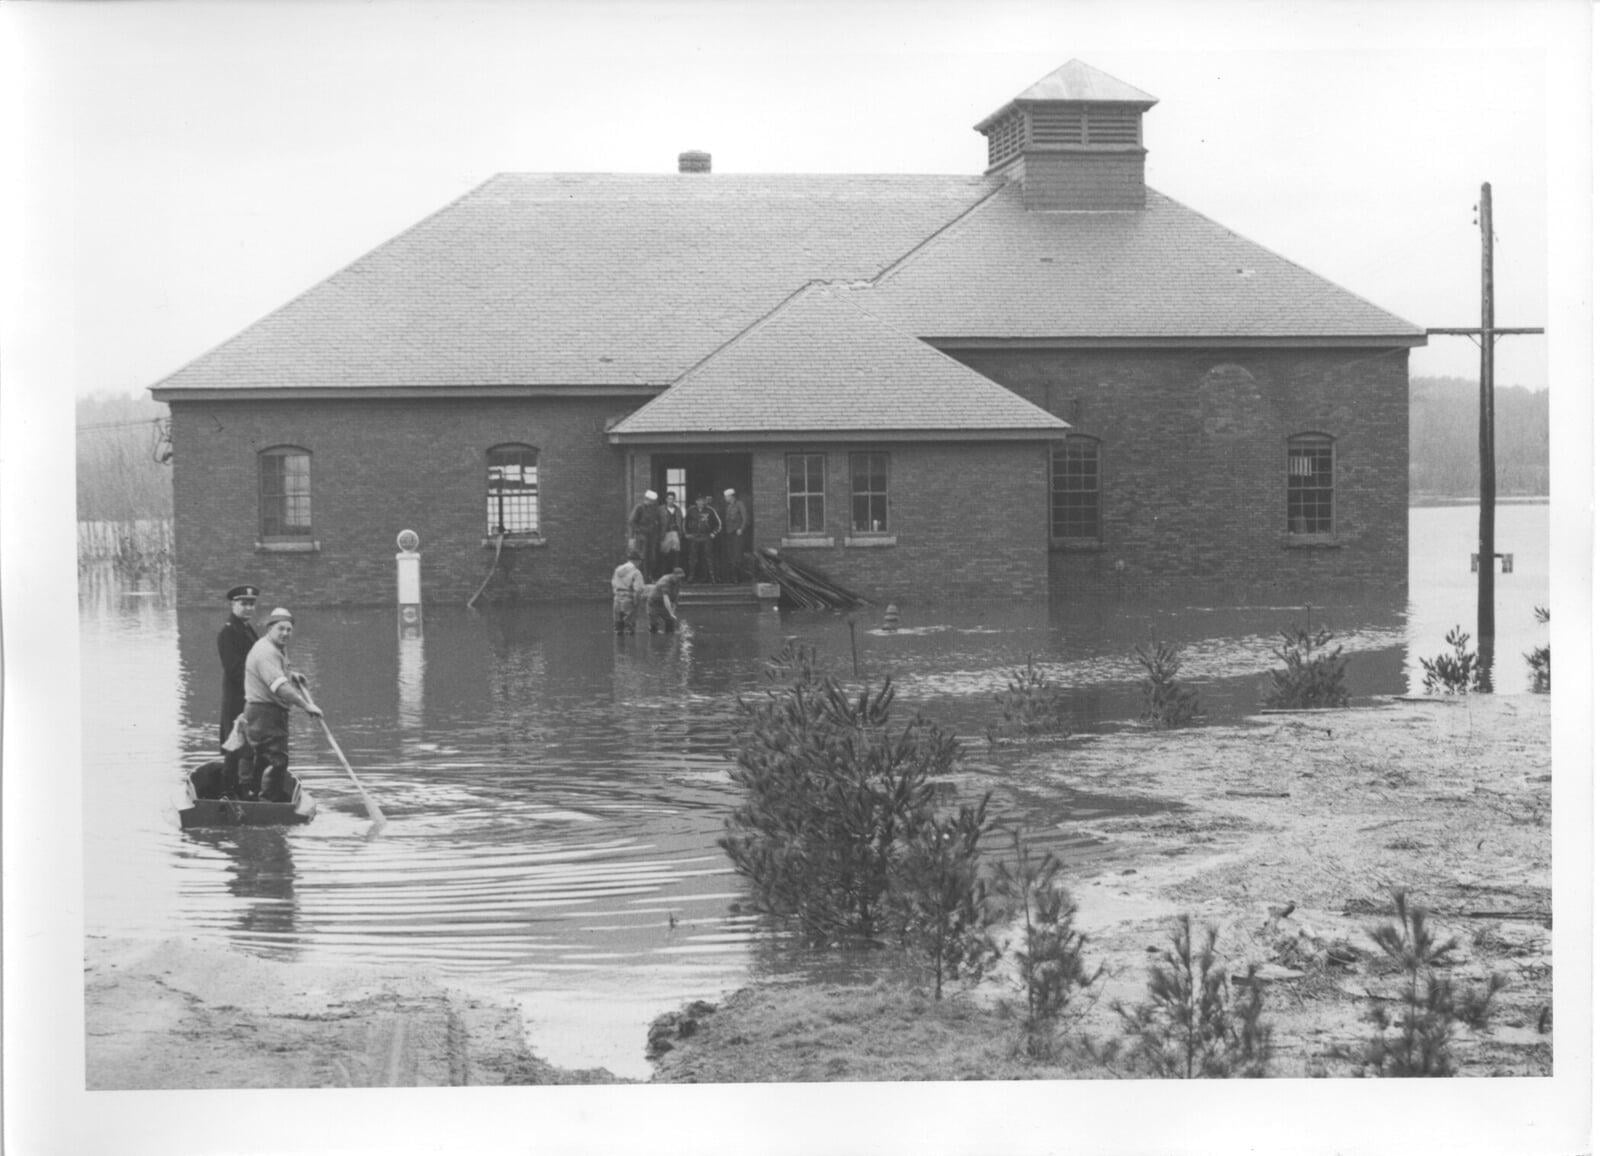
x=285, y=493
x=869, y=493
x=1075, y=489
x=1311, y=484
x=678, y=486
x=513, y=491
x=805, y=493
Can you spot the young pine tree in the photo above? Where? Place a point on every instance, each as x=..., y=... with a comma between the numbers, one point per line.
x=1192, y=1025
x=1051, y=969
x=939, y=900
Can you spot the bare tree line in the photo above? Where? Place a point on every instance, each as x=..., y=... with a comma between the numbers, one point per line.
x=121, y=477
x=1444, y=439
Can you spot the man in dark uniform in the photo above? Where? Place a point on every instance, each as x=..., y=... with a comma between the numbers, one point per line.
x=234, y=641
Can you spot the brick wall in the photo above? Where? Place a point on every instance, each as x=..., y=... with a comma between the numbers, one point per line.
x=966, y=519
x=1194, y=464
x=1194, y=488
x=381, y=466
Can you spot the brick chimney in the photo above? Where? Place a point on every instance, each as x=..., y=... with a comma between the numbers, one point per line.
x=694, y=161
x=1075, y=140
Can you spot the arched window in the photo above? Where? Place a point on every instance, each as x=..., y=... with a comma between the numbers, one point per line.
x=1311, y=484
x=513, y=490
x=284, y=490
x=1075, y=489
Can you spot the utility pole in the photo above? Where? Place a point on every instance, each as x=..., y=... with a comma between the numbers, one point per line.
x=1485, y=335
x=1486, y=557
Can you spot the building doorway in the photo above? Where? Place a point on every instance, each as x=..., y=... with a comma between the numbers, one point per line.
x=688, y=475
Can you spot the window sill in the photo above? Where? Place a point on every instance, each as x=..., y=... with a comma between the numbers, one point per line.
x=871, y=540
x=516, y=542
x=1078, y=545
x=805, y=543
x=1311, y=542
x=290, y=546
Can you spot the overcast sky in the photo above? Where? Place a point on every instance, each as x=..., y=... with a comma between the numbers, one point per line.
x=190, y=167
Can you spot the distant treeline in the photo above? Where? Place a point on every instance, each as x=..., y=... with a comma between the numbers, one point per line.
x=121, y=477
x=1444, y=439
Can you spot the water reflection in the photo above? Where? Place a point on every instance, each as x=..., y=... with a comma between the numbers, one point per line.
x=555, y=793
x=259, y=880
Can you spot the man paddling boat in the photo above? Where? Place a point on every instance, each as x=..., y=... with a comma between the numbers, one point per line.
x=270, y=689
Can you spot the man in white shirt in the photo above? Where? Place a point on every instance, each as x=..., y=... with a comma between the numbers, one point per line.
x=270, y=689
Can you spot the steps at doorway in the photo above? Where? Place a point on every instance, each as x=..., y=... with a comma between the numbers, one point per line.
x=729, y=594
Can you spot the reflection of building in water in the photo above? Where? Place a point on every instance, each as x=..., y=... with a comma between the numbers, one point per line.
x=264, y=914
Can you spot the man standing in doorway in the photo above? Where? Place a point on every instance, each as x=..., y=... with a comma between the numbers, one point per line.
x=735, y=529
x=234, y=641
x=702, y=525
x=644, y=531
x=270, y=689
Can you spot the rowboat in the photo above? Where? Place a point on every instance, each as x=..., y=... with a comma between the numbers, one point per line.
x=203, y=805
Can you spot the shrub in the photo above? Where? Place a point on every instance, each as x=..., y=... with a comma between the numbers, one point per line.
x=1193, y=1025
x=1538, y=658
x=938, y=898
x=1453, y=673
x=1417, y=1043
x=1312, y=675
x=1167, y=702
x=1050, y=965
x=832, y=794
x=1031, y=707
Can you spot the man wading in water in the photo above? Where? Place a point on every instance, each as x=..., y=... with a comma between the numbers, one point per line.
x=270, y=688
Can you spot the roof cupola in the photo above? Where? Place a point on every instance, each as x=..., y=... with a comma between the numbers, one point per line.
x=1074, y=140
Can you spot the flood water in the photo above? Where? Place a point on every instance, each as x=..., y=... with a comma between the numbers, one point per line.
x=554, y=794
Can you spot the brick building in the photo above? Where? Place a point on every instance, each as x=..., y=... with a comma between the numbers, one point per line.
x=1047, y=378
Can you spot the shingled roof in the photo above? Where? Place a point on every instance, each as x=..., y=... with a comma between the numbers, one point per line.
x=580, y=280
x=1163, y=272
x=820, y=364
x=544, y=283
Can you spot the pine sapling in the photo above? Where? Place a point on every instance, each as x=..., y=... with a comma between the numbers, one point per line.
x=1050, y=966
x=1031, y=708
x=1453, y=672
x=1193, y=1025
x=939, y=900
x=1312, y=674
x=1418, y=1041
x=1167, y=702
x=1538, y=658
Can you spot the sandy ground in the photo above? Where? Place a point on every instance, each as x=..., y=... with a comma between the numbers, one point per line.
x=1332, y=810
x=1447, y=799
x=179, y=1014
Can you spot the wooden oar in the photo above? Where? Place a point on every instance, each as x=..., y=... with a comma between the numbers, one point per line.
x=376, y=815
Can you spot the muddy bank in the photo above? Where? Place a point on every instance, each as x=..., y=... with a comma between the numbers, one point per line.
x=1329, y=811
x=178, y=1014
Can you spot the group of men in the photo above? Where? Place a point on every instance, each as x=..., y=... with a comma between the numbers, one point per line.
x=258, y=690
x=716, y=540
